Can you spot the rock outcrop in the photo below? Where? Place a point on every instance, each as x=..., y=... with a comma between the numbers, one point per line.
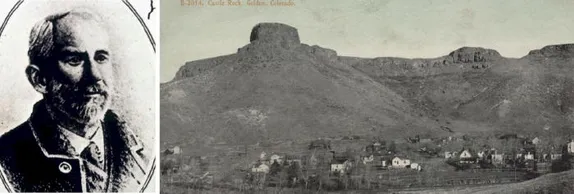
x=561, y=50
x=272, y=36
x=275, y=33
x=473, y=55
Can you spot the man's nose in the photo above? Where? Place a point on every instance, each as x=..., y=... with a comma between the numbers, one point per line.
x=93, y=71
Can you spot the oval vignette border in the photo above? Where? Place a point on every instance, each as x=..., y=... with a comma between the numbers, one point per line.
x=152, y=42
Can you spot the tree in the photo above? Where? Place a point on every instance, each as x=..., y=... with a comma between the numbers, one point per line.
x=564, y=163
x=293, y=173
x=392, y=147
x=275, y=168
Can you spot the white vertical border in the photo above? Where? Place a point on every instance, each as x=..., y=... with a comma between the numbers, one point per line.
x=157, y=176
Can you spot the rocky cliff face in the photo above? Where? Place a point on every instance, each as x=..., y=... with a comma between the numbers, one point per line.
x=473, y=55
x=275, y=35
x=562, y=50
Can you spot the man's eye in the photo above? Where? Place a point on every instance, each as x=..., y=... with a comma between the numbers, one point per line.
x=101, y=58
x=73, y=60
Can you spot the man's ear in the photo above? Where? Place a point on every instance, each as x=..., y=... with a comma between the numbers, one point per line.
x=36, y=78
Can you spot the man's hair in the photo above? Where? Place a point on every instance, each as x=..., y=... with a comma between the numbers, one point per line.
x=41, y=45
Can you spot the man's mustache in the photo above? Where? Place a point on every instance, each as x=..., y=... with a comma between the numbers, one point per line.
x=87, y=89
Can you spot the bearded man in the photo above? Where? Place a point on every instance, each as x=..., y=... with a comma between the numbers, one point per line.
x=72, y=141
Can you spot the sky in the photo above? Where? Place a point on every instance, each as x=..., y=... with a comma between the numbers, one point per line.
x=368, y=28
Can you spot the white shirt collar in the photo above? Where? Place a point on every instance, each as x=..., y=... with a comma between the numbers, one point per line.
x=79, y=143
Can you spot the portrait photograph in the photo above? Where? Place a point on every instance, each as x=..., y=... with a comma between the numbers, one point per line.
x=78, y=96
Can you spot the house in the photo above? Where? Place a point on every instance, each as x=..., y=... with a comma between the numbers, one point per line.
x=260, y=168
x=536, y=141
x=263, y=156
x=176, y=150
x=276, y=158
x=570, y=146
x=555, y=156
x=340, y=165
x=466, y=156
x=480, y=154
x=498, y=158
x=465, y=153
x=448, y=155
x=416, y=166
x=519, y=155
x=385, y=161
x=487, y=155
x=400, y=162
x=368, y=159
x=292, y=160
x=529, y=156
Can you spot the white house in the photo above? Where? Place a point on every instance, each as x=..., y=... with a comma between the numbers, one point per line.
x=340, y=165
x=276, y=158
x=368, y=159
x=529, y=156
x=176, y=150
x=416, y=166
x=338, y=168
x=448, y=155
x=465, y=154
x=480, y=154
x=400, y=163
x=262, y=168
x=498, y=158
x=536, y=141
x=570, y=146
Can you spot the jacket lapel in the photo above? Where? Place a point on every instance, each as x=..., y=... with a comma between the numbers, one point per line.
x=128, y=163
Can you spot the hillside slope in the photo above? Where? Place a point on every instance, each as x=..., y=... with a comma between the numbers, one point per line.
x=277, y=88
x=550, y=183
x=475, y=89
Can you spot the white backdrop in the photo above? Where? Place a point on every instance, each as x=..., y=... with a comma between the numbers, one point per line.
x=134, y=58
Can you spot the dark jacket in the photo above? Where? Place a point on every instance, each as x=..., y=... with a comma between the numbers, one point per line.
x=32, y=159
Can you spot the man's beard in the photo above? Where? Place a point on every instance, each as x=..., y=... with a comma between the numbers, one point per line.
x=82, y=103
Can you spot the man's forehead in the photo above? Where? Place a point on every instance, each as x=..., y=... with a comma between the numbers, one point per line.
x=73, y=29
